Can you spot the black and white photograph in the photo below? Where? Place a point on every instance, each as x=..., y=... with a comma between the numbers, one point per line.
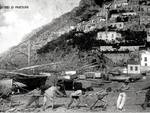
x=74, y=56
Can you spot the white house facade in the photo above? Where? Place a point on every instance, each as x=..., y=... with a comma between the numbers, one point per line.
x=133, y=67
x=148, y=34
x=129, y=13
x=108, y=35
x=145, y=58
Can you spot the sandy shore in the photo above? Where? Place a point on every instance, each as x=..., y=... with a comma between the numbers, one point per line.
x=133, y=102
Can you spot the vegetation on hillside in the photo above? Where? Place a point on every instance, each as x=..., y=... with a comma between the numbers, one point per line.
x=73, y=49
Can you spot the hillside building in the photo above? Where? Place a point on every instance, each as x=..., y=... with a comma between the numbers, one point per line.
x=145, y=58
x=129, y=14
x=108, y=35
x=122, y=48
x=119, y=3
x=144, y=9
x=135, y=18
x=114, y=16
x=129, y=48
x=133, y=2
x=148, y=34
x=132, y=8
x=144, y=19
x=135, y=27
x=118, y=25
x=133, y=67
x=98, y=20
x=133, y=5
x=102, y=12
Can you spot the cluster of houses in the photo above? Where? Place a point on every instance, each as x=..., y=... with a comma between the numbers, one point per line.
x=132, y=67
x=123, y=15
x=132, y=13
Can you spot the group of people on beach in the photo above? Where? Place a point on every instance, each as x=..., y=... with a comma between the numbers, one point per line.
x=50, y=94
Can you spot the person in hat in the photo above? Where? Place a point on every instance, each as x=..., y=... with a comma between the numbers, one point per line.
x=122, y=95
x=100, y=97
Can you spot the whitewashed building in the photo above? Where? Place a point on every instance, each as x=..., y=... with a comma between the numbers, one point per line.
x=70, y=72
x=133, y=67
x=148, y=34
x=145, y=19
x=113, y=16
x=108, y=35
x=118, y=25
x=145, y=58
x=119, y=3
x=129, y=14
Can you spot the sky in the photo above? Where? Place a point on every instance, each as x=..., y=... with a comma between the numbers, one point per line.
x=16, y=23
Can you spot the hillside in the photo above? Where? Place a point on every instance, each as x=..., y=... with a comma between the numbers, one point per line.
x=71, y=40
x=17, y=56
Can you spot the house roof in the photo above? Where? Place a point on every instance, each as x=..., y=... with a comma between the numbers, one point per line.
x=145, y=52
x=133, y=62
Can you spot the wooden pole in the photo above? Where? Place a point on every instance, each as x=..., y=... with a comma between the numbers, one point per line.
x=29, y=52
x=106, y=16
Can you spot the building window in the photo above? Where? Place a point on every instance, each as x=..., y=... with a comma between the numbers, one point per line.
x=112, y=35
x=145, y=64
x=131, y=68
x=106, y=36
x=100, y=36
x=145, y=59
x=136, y=68
x=120, y=25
